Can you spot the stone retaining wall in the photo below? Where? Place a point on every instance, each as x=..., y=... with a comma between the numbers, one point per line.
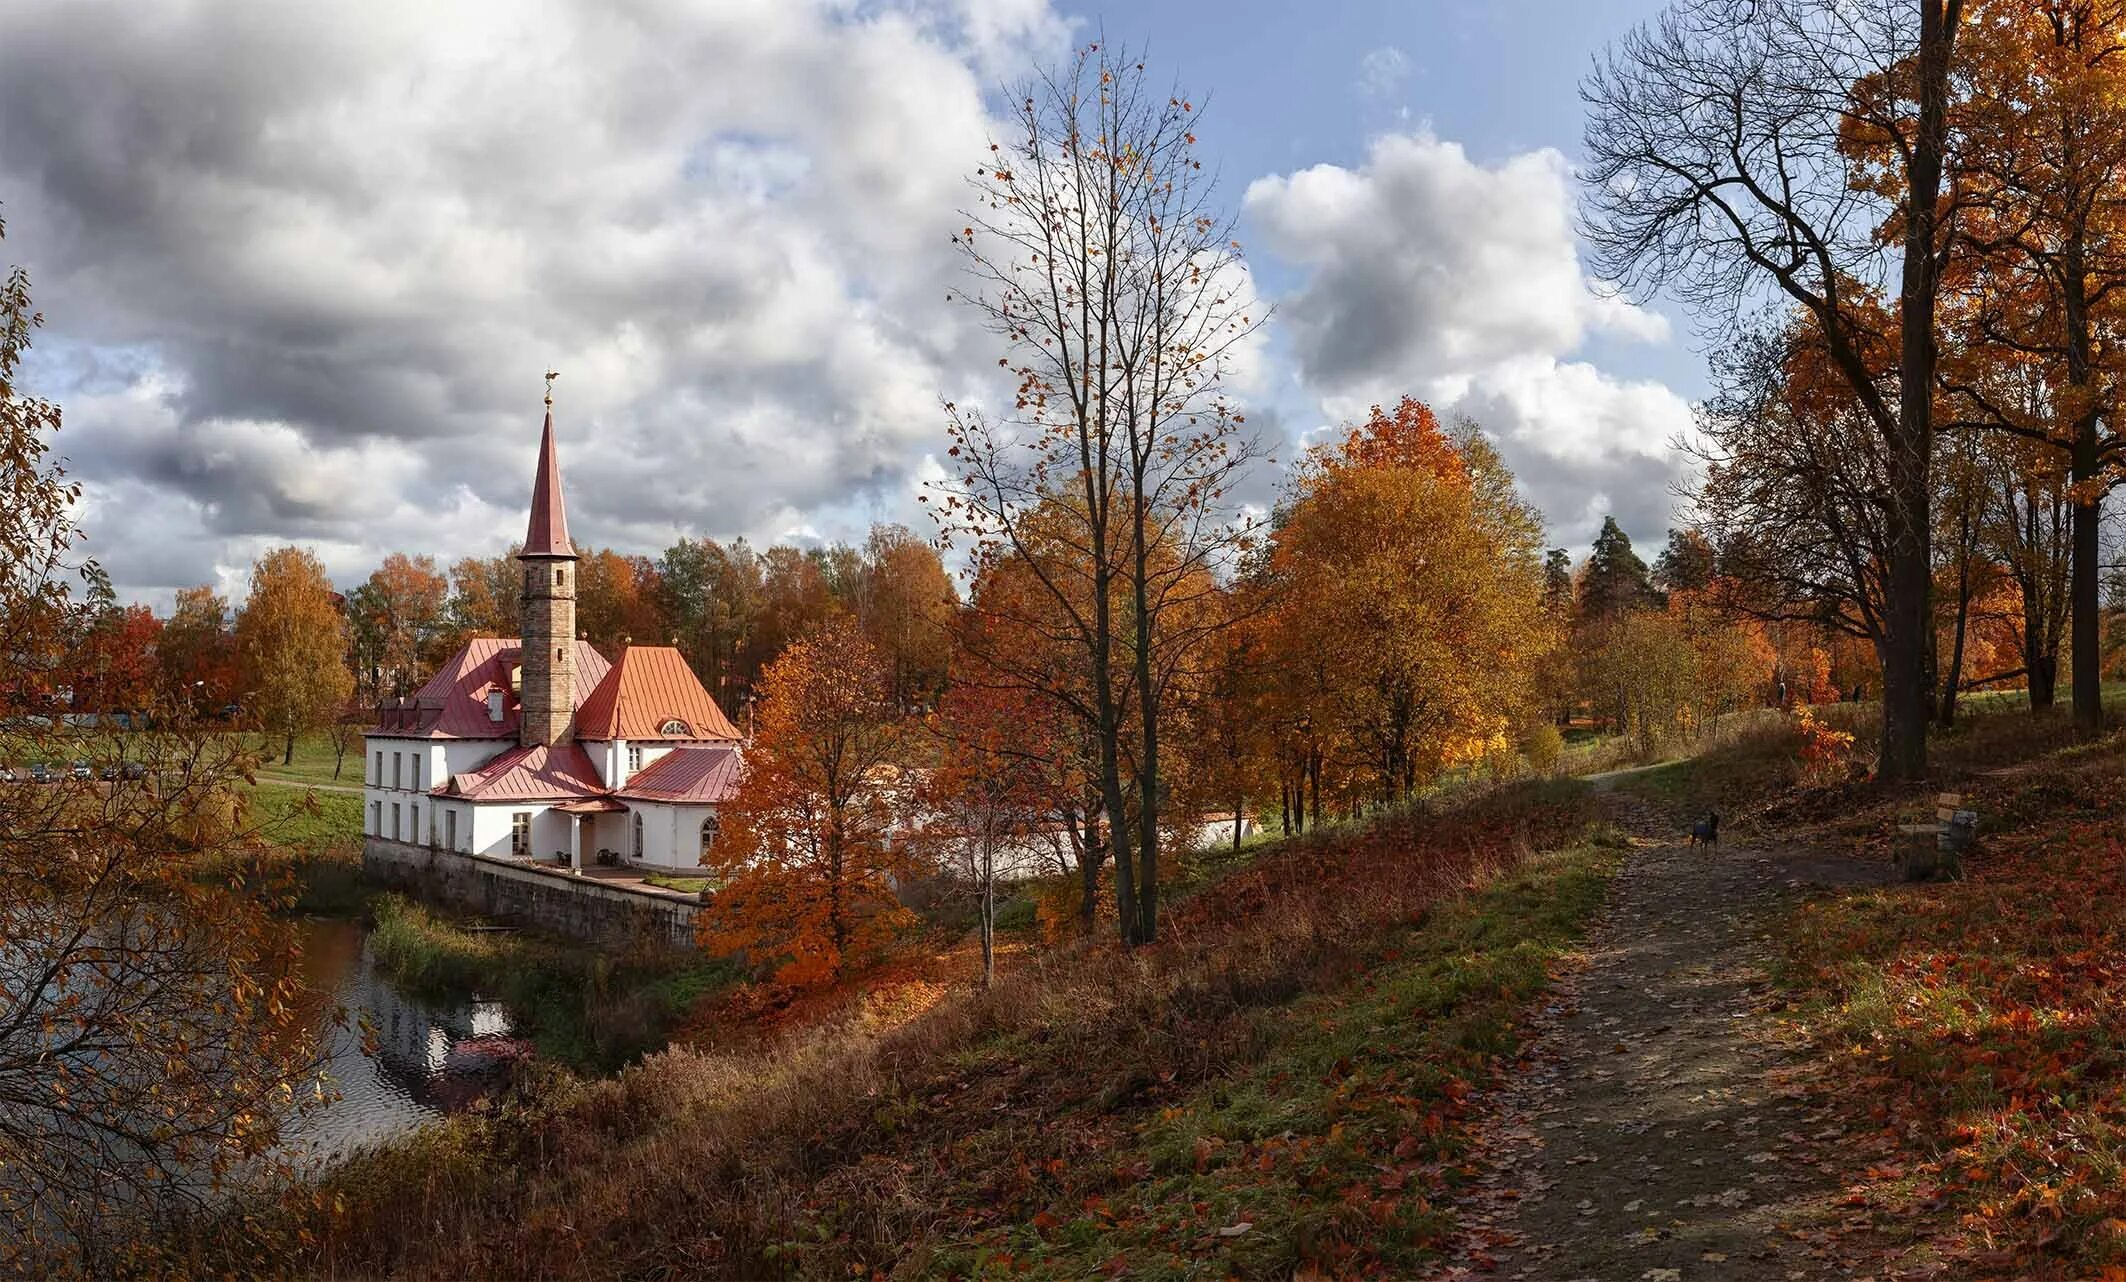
x=581, y=908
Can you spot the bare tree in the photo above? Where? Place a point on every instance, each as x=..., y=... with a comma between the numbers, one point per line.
x=1101, y=260
x=1742, y=150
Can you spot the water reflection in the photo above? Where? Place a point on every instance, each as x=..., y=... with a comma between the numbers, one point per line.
x=396, y=1060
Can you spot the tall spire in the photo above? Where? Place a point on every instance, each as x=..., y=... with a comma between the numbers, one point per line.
x=547, y=534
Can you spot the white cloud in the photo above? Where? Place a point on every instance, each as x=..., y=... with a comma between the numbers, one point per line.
x=1382, y=72
x=339, y=244
x=1429, y=274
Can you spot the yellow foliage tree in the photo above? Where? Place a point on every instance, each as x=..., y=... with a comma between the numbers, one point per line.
x=292, y=643
x=1409, y=591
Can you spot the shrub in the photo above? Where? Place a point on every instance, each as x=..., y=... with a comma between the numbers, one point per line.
x=1542, y=745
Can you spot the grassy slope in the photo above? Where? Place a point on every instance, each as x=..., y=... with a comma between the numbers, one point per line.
x=1294, y=1053
x=1335, y=1145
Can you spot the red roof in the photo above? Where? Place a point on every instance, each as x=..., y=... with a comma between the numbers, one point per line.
x=533, y=772
x=689, y=775
x=547, y=535
x=648, y=690
x=453, y=705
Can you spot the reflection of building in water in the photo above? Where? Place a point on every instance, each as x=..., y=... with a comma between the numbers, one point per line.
x=420, y=1045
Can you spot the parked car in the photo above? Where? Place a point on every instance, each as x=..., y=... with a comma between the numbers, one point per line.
x=8, y=775
x=80, y=771
x=109, y=773
x=134, y=770
x=40, y=772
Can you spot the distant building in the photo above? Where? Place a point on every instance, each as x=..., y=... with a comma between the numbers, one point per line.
x=540, y=749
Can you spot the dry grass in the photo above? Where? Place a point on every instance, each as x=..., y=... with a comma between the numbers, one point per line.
x=855, y=1147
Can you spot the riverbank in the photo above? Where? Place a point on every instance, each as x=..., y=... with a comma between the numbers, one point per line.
x=1301, y=1008
x=589, y=1010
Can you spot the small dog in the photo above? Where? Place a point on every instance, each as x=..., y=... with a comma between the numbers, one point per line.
x=1706, y=832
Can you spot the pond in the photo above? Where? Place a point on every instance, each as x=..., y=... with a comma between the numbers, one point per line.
x=395, y=1061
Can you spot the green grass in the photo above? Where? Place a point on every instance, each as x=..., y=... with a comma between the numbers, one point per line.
x=313, y=761
x=686, y=885
x=590, y=1010
x=1328, y=1146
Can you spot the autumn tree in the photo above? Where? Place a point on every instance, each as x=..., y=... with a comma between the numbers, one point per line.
x=711, y=595
x=1739, y=147
x=1410, y=586
x=617, y=600
x=2041, y=123
x=990, y=795
x=115, y=665
x=149, y=1043
x=806, y=847
x=197, y=650
x=1101, y=259
x=486, y=595
x=292, y=644
x=398, y=622
x=905, y=603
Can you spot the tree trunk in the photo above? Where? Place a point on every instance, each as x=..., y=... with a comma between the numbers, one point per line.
x=288, y=755
x=1907, y=625
x=2084, y=607
x=1956, y=648
x=1148, y=800
x=989, y=913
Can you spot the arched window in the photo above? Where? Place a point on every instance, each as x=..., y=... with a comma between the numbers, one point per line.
x=638, y=836
x=708, y=835
x=673, y=726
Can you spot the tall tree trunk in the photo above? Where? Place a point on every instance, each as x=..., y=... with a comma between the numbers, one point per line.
x=1907, y=627
x=1148, y=801
x=989, y=912
x=1955, y=676
x=2085, y=617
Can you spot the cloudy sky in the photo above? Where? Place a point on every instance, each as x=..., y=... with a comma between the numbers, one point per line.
x=304, y=264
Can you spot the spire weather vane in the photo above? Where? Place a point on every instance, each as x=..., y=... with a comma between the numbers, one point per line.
x=551, y=375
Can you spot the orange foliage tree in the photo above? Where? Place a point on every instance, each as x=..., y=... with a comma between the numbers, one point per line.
x=806, y=846
x=991, y=796
x=1409, y=587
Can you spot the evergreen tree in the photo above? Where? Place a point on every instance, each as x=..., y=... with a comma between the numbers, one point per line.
x=1614, y=582
x=1686, y=564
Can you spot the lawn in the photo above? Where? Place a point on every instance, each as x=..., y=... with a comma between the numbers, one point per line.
x=313, y=763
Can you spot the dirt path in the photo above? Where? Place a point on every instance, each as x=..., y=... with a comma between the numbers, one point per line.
x=279, y=782
x=1657, y=1130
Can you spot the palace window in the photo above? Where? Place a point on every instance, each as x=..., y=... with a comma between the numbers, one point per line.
x=376, y=814
x=398, y=770
x=638, y=836
x=520, y=833
x=394, y=821
x=450, y=829
x=674, y=726
x=634, y=758
x=708, y=835
x=378, y=777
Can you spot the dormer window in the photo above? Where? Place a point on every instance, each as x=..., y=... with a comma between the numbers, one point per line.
x=494, y=705
x=673, y=726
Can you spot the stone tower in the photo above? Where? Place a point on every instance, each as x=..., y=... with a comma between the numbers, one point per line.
x=548, y=684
